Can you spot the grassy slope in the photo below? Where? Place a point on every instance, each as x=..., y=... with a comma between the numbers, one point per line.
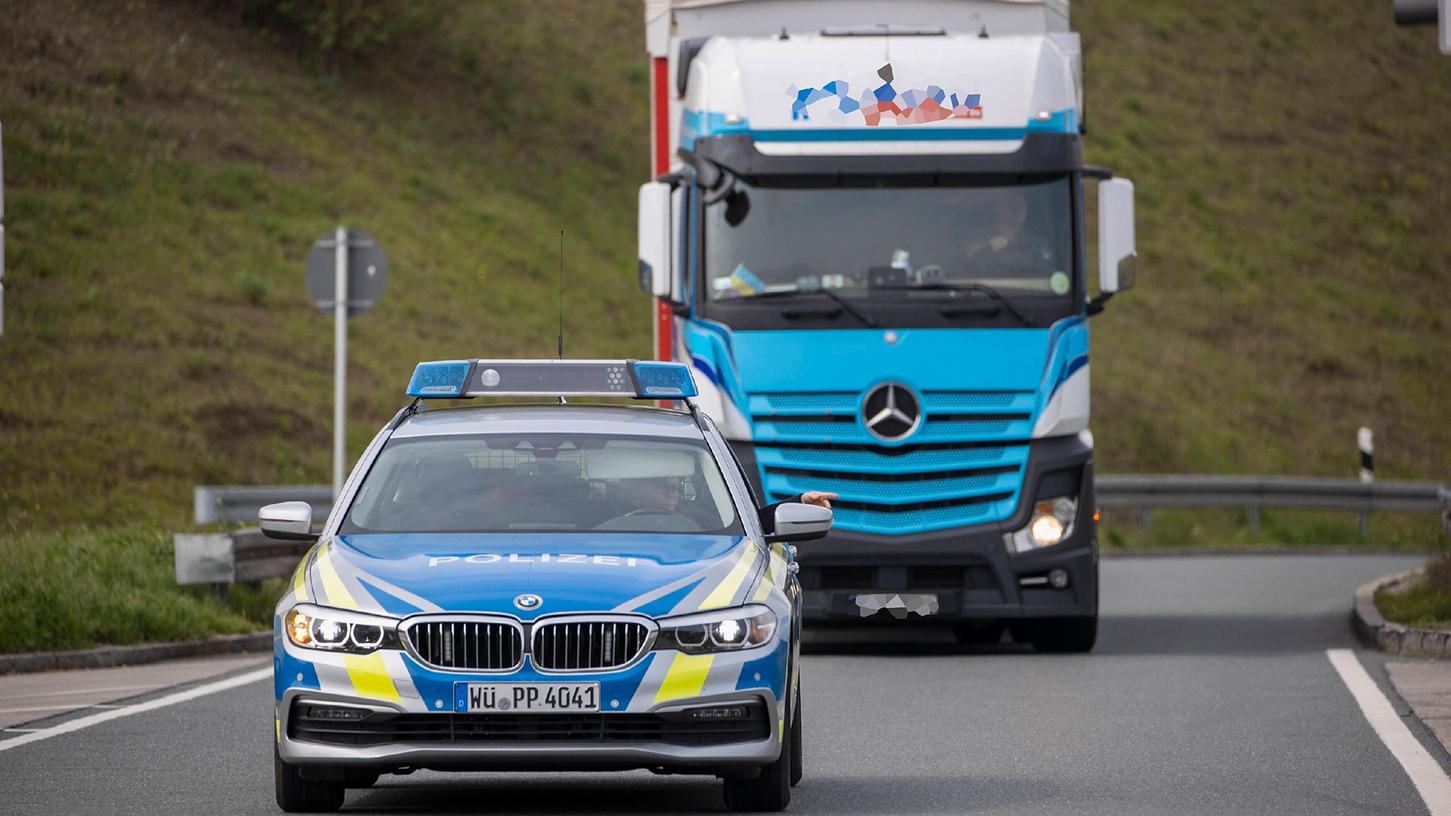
x=168, y=168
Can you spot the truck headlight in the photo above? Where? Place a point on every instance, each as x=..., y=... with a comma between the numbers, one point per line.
x=339, y=630
x=1050, y=523
x=724, y=630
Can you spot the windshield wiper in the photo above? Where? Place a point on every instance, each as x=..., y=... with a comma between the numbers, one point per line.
x=982, y=288
x=840, y=301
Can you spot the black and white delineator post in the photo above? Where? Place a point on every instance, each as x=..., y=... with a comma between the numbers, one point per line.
x=1365, y=441
x=346, y=274
x=1426, y=12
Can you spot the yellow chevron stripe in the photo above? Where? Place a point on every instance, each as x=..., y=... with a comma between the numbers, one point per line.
x=332, y=583
x=685, y=677
x=370, y=678
x=726, y=590
x=299, y=582
x=774, y=567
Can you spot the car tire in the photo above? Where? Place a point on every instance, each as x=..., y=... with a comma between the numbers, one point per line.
x=1064, y=635
x=798, y=767
x=298, y=795
x=768, y=793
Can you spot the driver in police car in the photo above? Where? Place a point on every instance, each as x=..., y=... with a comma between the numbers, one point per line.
x=664, y=494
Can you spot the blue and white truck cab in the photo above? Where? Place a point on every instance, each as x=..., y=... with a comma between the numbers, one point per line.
x=867, y=238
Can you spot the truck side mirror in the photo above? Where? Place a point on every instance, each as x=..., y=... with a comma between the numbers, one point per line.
x=1116, y=254
x=654, y=239
x=795, y=521
x=289, y=521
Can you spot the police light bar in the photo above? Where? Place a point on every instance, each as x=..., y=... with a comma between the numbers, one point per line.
x=639, y=379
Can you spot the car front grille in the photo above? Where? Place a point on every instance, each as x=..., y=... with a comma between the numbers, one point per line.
x=468, y=644
x=675, y=728
x=586, y=645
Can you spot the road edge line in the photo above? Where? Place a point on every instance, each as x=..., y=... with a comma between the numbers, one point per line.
x=138, y=708
x=1433, y=785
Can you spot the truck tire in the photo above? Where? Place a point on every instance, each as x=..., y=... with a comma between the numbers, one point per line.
x=298, y=795
x=978, y=634
x=768, y=793
x=1064, y=635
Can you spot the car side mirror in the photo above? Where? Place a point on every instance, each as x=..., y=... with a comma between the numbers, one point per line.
x=288, y=521
x=795, y=521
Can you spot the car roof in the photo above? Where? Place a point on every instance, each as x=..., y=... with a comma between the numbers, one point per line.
x=546, y=418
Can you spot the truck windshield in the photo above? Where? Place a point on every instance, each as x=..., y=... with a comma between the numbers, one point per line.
x=1016, y=239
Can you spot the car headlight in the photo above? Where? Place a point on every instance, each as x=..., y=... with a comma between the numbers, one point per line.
x=339, y=630
x=1050, y=523
x=724, y=630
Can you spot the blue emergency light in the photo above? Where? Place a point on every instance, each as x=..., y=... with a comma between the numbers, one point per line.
x=638, y=379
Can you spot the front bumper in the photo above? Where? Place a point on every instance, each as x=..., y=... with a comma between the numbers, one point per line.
x=412, y=721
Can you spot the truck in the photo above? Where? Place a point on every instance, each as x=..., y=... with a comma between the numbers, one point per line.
x=866, y=236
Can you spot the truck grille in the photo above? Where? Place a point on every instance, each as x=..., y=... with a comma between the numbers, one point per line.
x=963, y=466
x=468, y=644
x=584, y=645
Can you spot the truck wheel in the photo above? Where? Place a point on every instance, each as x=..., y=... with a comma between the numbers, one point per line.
x=1061, y=635
x=768, y=793
x=978, y=634
x=298, y=795
x=797, y=765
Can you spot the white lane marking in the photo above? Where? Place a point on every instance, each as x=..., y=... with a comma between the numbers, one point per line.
x=138, y=708
x=1430, y=781
x=21, y=730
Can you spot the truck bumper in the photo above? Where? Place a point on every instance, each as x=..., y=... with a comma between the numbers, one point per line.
x=966, y=573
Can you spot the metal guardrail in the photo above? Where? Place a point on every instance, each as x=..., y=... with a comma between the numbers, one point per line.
x=1252, y=493
x=246, y=555
x=215, y=504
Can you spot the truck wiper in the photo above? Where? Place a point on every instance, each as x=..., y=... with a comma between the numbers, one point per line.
x=981, y=288
x=840, y=301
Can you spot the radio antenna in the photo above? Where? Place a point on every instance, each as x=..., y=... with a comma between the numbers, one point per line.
x=561, y=294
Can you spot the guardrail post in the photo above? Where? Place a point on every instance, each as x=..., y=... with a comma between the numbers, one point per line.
x=1146, y=517
x=1254, y=519
x=1364, y=524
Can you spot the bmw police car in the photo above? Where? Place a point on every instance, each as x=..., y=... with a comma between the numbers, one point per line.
x=542, y=587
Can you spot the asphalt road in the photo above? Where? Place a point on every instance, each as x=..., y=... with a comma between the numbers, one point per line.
x=1210, y=692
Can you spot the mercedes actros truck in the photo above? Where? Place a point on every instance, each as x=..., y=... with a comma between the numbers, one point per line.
x=866, y=235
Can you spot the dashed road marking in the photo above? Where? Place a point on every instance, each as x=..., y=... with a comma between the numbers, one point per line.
x=1430, y=781
x=137, y=708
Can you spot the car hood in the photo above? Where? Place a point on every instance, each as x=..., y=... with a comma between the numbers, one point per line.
x=442, y=572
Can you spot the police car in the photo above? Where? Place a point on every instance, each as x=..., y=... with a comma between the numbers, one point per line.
x=542, y=587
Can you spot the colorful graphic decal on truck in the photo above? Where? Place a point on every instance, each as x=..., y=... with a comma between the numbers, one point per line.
x=913, y=107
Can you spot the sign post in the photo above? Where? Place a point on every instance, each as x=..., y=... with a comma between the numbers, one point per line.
x=346, y=274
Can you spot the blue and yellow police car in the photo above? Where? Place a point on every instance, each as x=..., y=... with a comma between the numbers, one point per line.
x=542, y=587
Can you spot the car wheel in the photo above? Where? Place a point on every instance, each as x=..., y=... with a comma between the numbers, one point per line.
x=1062, y=635
x=768, y=793
x=298, y=795
x=797, y=765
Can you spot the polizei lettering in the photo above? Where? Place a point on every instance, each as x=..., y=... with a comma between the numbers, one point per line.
x=541, y=558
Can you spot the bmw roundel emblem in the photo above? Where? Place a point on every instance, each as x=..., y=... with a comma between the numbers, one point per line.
x=528, y=601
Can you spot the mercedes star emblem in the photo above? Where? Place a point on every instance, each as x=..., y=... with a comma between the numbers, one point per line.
x=528, y=601
x=891, y=412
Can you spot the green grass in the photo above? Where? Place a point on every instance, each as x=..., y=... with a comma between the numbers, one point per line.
x=88, y=587
x=1124, y=531
x=1425, y=603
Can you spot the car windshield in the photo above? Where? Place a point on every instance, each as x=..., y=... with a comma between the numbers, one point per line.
x=543, y=482
x=1014, y=238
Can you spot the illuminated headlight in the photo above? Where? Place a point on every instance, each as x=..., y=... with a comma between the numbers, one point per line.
x=1050, y=523
x=724, y=630
x=339, y=630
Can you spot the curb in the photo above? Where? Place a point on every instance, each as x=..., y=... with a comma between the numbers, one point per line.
x=110, y=656
x=1394, y=638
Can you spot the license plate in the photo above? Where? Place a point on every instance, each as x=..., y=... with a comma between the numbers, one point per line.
x=537, y=697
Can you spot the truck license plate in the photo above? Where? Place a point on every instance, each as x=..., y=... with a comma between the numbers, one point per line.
x=524, y=697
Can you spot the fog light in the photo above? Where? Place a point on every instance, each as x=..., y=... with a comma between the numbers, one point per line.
x=336, y=714
x=1058, y=578
x=720, y=713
